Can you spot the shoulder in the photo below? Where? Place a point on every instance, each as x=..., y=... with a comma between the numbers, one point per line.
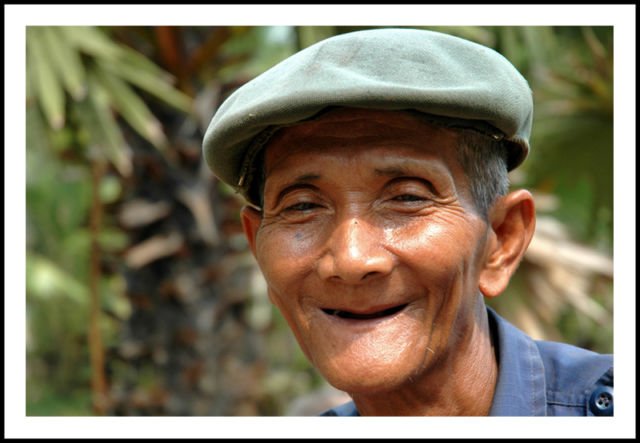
x=548, y=378
x=578, y=381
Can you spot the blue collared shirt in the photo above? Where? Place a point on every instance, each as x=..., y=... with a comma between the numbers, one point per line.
x=537, y=378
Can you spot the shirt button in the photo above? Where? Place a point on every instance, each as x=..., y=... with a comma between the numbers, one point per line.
x=601, y=401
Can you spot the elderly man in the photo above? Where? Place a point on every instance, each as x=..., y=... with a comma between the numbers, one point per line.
x=375, y=166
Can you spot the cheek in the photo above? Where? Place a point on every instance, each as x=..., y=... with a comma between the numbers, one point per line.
x=285, y=259
x=285, y=254
x=419, y=242
x=293, y=240
x=438, y=247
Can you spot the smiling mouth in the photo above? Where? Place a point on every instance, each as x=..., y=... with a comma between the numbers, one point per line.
x=356, y=316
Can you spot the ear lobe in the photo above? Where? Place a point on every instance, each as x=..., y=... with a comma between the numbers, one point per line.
x=512, y=221
x=251, y=219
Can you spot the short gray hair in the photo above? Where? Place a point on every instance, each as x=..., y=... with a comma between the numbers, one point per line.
x=484, y=161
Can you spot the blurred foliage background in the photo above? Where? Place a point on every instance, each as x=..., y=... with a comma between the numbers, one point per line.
x=142, y=298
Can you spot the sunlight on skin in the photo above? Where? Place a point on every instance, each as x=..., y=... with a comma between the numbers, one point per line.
x=354, y=227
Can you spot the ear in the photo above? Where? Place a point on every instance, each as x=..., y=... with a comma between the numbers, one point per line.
x=251, y=219
x=512, y=220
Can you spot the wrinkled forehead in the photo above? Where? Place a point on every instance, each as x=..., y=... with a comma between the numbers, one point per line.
x=341, y=128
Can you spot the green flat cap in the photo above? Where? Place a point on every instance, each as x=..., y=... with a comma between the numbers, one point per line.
x=393, y=69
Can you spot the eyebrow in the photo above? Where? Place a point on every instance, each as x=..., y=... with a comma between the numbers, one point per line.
x=409, y=168
x=306, y=177
x=392, y=171
x=398, y=171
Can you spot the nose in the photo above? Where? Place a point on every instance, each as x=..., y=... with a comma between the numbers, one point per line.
x=355, y=254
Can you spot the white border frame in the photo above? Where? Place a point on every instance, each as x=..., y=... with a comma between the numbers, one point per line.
x=622, y=17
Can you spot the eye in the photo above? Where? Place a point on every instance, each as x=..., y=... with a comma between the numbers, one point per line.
x=301, y=212
x=408, y=198
x=408, y=195
x=409, y=191
x=301, y=207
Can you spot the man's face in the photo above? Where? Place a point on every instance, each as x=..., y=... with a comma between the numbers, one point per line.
x=370, y=246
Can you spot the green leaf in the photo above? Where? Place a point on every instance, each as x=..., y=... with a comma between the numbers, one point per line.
x=131, y=107
x=36, y=136
x=98, y=121
x=150, y=81
x=511, y=46
x=47, y=88
x=92, y=41
x=66, y=60
x=110, y=189
x=116, y=303
x=128, y=57
x=45, y=279
x=112, y=239
x=540, y=44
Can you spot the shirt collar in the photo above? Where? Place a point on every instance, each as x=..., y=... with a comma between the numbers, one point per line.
x=520, y=390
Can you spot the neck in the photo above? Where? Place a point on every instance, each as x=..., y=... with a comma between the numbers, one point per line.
x=461, y=384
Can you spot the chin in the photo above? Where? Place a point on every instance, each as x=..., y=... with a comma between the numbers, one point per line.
x=356, y=387
x=369, y=378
